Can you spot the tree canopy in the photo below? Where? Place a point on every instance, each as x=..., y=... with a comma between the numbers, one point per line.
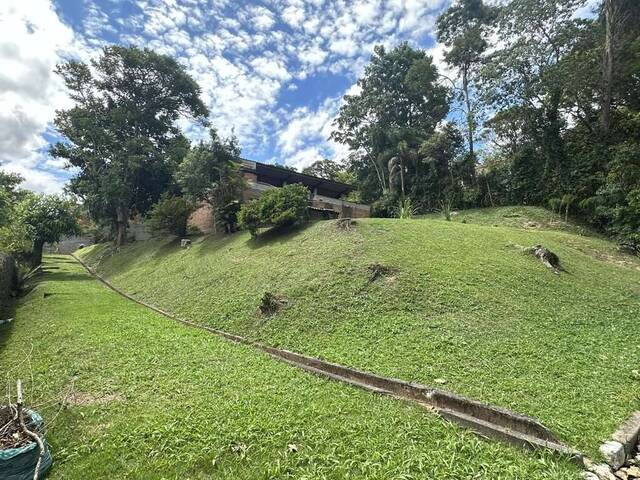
x=400, y=100
x=122, y=133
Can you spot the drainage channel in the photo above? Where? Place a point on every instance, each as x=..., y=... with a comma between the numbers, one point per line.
x=486, y=420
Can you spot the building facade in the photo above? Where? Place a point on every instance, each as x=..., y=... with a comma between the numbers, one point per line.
x=326, y=198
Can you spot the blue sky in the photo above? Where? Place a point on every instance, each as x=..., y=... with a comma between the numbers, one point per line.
x=272, y=71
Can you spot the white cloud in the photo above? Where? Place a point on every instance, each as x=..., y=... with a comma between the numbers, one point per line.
x=305, y=138
x=32, y=41
x=245, y=63
x=270, y=68
x=262, y=18
x=294, y=15
x=36, y=179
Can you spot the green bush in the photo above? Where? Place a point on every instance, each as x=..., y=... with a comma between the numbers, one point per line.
x=170, y=215
x=278, y=207
x=385, y=207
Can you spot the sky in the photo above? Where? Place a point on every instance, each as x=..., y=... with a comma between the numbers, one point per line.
x=273, y=72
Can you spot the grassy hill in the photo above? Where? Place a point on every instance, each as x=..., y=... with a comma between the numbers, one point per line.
x=127, y=393
x=424, y=300
x=518, y=216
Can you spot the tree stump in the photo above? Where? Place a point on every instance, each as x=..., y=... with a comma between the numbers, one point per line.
x=547, y=257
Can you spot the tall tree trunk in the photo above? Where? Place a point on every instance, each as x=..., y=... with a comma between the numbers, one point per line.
x=36, y=254
x=402, y=178
x=489, y=191
x=467, y=101
x=610, y=14
x=122, y=220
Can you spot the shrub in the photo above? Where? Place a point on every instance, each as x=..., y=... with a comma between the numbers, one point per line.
x=170, y=215
x=406, y=210
x=385, y=207
x=278, y=207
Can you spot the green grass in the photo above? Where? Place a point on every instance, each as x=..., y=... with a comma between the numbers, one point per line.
x=182, y=403
x=517, y=216
x=461, y=305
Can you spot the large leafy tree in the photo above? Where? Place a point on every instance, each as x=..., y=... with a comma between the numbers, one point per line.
x=122, y=133
x=527, y=72
x=9, y=194
x=325, y=168
x=400, y=100
x=47, y=218
x=210, y=173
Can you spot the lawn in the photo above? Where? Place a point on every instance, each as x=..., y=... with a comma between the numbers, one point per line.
x=148, y=398
x=517, y=216
x=459, y=304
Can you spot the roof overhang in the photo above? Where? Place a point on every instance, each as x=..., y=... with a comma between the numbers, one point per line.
x=290, y=176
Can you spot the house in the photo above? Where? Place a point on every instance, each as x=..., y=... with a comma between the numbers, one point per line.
x=326, y=196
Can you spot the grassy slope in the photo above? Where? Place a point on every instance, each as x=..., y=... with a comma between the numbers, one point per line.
x=191, y=405
x=516, y=216
x=463, y=307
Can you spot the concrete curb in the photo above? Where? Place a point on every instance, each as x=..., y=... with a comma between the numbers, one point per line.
x=486, y=420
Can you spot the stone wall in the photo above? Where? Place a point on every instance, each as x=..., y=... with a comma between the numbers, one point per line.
x=69, y=244
x=343, y=208
x=202, y=218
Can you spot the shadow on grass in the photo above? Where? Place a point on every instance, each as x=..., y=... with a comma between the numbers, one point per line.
x=168, y=246
x=7, y=311
x=62, y=276
x=57, y=259
x=214, y=241
x=277, y=235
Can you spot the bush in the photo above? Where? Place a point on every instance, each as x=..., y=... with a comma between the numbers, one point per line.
x=385, y=207
x=170, y=215
x=278, y=207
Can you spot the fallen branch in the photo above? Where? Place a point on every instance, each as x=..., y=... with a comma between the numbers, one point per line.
x=28, y=432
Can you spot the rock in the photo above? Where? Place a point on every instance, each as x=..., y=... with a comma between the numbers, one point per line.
x=613, y=453
x=185, y=243
x=633, y=472
x=622, y=474
x=589, y=476
x=441, y=381
x=603, y=472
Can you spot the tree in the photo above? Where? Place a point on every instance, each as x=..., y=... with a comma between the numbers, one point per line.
x=325, y=168
x=122, y=133
x=461, y=28
x=210, y=173
x=47, y=218
x=170, y=215
x=527, y=71
x=9, y=194
x=400, y=99
x=440, y=157
x=277, y=207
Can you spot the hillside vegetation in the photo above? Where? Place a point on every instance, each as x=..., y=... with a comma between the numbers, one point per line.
x=532, y=218
x=127, y=393
x=442, y=303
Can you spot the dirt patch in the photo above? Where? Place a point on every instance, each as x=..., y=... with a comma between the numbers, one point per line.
x=79, y=399
x=345, y=224
x=378, y=270
x=618, y=259
x=270, y=304
x=531, y=225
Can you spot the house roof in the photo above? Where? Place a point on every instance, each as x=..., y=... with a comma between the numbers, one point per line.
x=291, y=176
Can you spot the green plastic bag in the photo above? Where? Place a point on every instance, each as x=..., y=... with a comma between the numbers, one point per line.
x=20, y=463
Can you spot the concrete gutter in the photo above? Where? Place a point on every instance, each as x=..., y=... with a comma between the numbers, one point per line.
x=486, y=420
